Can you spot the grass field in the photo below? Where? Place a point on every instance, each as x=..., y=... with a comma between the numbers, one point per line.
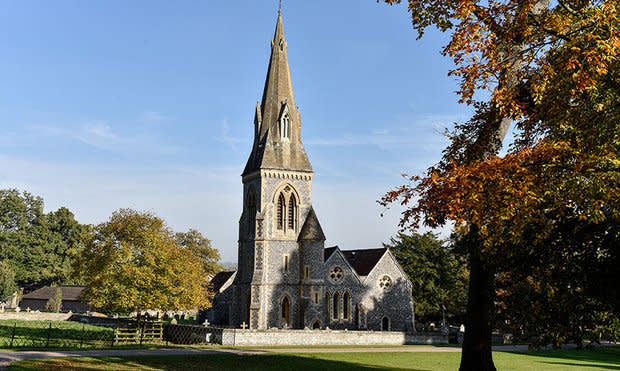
x=52, y=334
x=565, y=360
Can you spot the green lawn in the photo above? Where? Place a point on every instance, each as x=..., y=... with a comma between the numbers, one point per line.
x=52, y=334
x=566, y=360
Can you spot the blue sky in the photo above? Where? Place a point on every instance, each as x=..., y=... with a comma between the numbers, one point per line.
x=149, y=105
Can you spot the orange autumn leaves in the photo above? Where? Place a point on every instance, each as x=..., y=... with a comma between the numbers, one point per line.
x=495, y=41
x=551, y=68
x=505, y=196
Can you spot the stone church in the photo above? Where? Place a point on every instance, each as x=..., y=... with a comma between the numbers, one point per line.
x=286, y=277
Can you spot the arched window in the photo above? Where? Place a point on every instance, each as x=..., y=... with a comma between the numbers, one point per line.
x=285, y=128
x=251, y=211
x=281, y=210
x=335, y=305
x=327, y=304
x=345, y=305
x=292, y=213
x=316, y=325
x=286, y=305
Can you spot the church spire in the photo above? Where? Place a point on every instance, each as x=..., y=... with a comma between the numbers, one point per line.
x=278, y=86
x=277, y=142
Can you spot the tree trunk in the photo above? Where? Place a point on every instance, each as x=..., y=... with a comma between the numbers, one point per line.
x=476, y=354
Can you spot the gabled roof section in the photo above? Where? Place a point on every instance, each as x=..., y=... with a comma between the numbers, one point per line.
x=268, y=151
x=363, y=260
x=220, y=279
x=47, y=292
x=327, y=252
x=311, y=230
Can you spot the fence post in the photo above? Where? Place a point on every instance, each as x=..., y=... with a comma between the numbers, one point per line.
x=13, y=335
x=141, y=332
x=82, y=337
x=114, y=335
x=49, y=330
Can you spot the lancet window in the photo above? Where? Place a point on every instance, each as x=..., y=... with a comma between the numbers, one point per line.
x=281, y=211
x=285, y=126
x=251, y=204
x=286, y=211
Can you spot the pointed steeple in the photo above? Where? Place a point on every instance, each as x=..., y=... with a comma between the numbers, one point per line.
x=277, y=142
x=278, y=86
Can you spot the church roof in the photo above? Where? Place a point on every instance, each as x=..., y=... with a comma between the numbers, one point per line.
x=220, y=279
x=327, y=252
x=47, y=292
x=270, y=151
x=311, y=230
x=363, y=260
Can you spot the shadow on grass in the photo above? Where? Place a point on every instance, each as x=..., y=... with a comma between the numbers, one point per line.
x=607, y=358
x=198, y=362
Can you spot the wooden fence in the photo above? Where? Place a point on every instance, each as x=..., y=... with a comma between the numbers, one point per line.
x=142, y=332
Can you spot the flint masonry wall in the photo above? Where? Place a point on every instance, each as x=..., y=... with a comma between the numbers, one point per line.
x=324, y=337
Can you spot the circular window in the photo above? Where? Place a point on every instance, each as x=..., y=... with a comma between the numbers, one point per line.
x=385, y=283
x=336, y=274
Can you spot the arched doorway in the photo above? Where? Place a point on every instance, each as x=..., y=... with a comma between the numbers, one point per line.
x=316, y=325
x=385, y=324
x=285, y=311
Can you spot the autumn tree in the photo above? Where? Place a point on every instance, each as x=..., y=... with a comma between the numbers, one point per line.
x=201, y=247
x=552, y=71
x=438, y=274
x=134, y=262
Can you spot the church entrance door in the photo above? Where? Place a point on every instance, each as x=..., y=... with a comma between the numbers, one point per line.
x=385, y=324
x=286, y=309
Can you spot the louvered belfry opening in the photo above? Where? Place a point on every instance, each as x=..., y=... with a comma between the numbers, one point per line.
x=292, y=213
x=280, y=211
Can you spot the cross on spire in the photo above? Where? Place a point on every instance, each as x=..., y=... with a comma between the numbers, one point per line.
x=280, y=6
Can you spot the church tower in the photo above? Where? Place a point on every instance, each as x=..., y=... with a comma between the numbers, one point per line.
x=277, y=194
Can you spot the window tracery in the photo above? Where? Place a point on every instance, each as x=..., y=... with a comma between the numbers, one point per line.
x=336, y=274
x=385, y=283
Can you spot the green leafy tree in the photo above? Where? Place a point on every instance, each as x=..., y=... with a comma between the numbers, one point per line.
x=7, y=281
x=39, y=247
x=54, y=304
x=439, y=276
x=134, y=262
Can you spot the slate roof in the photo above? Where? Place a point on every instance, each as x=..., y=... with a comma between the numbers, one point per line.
x=364, y=260
x=220, y=279
x=327, y=252
x=47, y=292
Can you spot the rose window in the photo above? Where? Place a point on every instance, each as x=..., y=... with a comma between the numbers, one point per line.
x=336, y=274
x=385, y=283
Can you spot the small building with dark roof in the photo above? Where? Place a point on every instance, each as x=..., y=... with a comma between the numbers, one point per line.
x=37, y=299
x=221, y=287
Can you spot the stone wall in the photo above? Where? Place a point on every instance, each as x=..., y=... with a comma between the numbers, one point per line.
x=323, y=337
x=34, y=316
